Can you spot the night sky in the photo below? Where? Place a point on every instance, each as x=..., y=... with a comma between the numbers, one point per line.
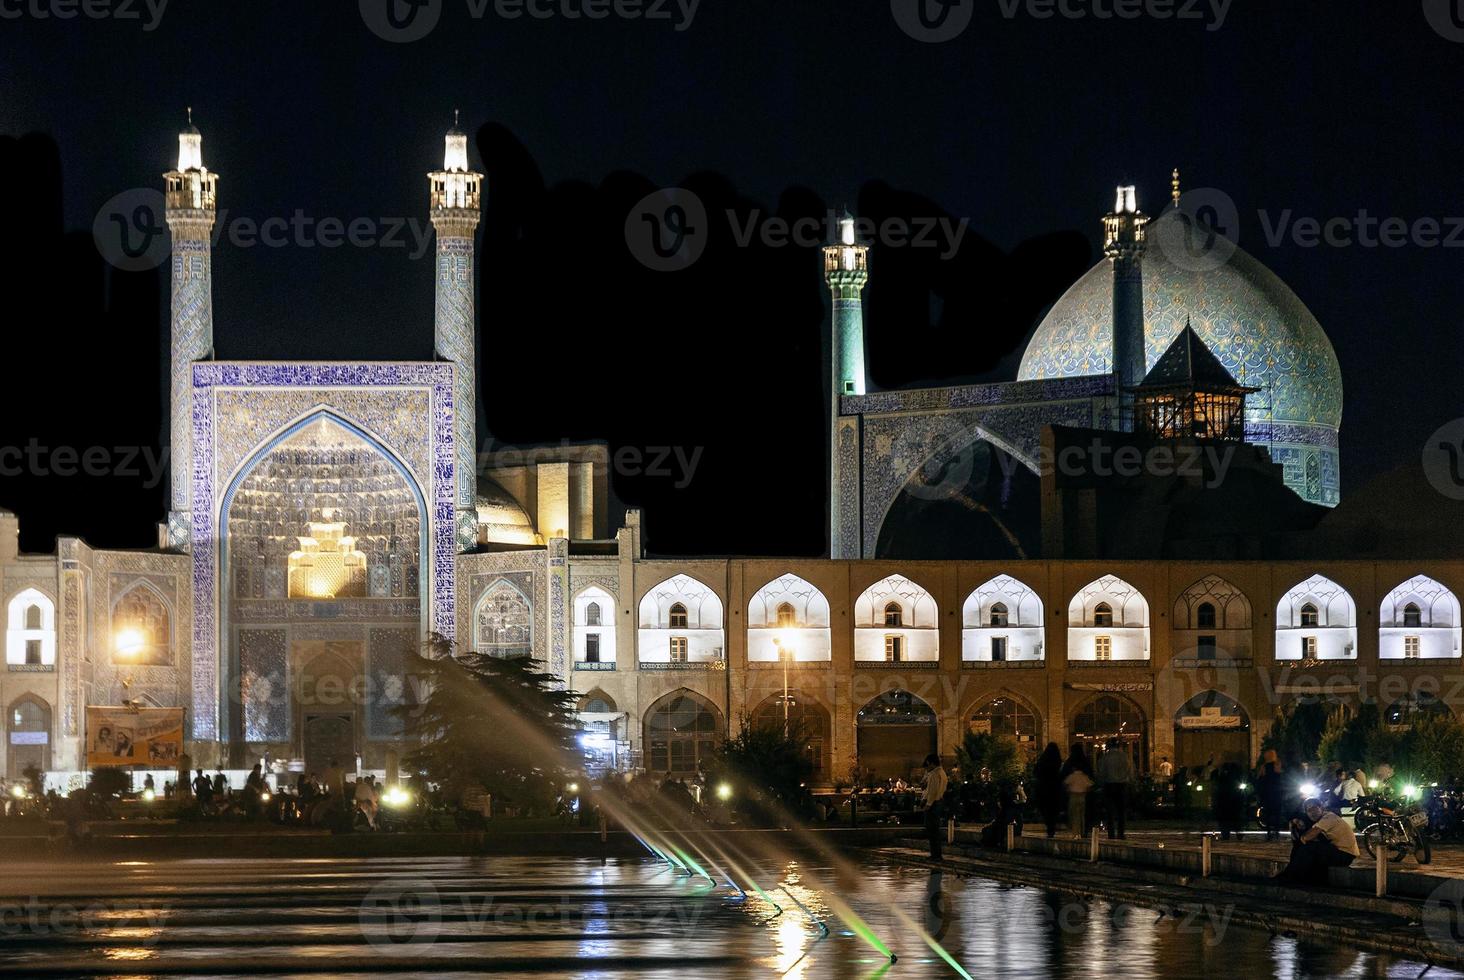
x=1020, y=124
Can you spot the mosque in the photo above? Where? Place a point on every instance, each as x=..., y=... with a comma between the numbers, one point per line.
x=327, y=517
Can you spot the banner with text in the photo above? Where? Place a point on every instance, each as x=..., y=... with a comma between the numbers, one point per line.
x=148, y=737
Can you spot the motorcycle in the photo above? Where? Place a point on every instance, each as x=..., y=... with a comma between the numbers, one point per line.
x=1397, y=830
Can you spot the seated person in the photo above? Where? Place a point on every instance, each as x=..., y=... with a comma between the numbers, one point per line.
x=1327, y=843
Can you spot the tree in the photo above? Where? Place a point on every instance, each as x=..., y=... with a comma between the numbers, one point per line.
x=995, y=756
x=108, y=781
x=767, y=770
x=1296, y=733
x=499, y=723
x=1352, y=740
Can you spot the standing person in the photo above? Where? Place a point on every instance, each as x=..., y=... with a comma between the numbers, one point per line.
x=148, y=784
x=1228, y=800
x=1115, y=772
x=1271, y=788
x=365, y=798
x=1048, y=774
x=935, y=791
x=1077, y=780
x=254, y=788
x=202, y=791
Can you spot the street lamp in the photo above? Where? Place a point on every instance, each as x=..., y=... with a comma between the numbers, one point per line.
x=785, y=654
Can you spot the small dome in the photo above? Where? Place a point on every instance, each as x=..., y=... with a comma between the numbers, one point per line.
x=500, y=517
x=1252, y=321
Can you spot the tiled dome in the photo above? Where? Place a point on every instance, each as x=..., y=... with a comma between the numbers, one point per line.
x=1249, y=318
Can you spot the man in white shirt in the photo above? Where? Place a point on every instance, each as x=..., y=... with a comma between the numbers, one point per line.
x=935, y=791
x=1347, y=790
x=1328, y=843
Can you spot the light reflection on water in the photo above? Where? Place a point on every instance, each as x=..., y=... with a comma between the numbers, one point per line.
x=540, y=918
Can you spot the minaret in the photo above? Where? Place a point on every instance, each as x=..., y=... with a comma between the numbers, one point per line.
x=456, y=208
x=846, y=270
x=191, y=206
x=1123, y=243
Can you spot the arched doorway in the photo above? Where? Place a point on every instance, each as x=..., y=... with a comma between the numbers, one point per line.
x=681, y=731
x=601, y=737
x=1211, y=728
x=323, y=529
x=328, y=690
x=807, y=720
x=28, y=735
x=1107, y=718
x=895, y=732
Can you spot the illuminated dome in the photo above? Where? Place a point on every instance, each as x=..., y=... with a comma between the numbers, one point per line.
x=501, y=519
x=1250, y=319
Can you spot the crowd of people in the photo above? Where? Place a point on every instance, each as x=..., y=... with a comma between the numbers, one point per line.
x=1081, y=792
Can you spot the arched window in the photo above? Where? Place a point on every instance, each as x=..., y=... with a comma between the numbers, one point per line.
x=1412, y=615
x=505, y=622
x=141, y=626
x=1309, y=616
x=999, y=614
x=894, y=615
x=1009, y=718
x=808, y=722
x=681, y=730
x=1205, y=616
x=28, y=742
x=678, y=617
x=596, y=706
x=31, y=631
x=787, y=616
x=1109, y=718
x=592, y=614
x=1103, y=614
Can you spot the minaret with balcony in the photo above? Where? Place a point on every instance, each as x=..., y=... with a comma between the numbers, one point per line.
x=191, y=208
x=846, y=270
x=457, y=194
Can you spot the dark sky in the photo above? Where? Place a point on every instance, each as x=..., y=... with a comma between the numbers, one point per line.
x=1021, y=124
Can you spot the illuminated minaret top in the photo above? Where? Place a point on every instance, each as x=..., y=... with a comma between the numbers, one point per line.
x=457, y=196
x=1123, y=243
x=191, y=187
x=191, y=196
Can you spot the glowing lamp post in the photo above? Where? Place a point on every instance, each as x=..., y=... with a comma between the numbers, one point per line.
x=128, y=645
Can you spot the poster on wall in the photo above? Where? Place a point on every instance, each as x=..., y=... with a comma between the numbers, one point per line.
x=151, y=738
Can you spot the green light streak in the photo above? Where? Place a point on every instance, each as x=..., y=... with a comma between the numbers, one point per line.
x=860, y=927
x=689, y=860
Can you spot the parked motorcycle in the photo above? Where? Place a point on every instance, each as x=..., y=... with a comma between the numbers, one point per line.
x=1396, y=829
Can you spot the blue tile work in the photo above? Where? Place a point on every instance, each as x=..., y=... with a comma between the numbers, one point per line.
x=264, y=685
x=1258, y=328
x=375, y=391
x=389, y=656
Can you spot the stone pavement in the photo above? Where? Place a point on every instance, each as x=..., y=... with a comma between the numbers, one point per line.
x=1448, y=859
